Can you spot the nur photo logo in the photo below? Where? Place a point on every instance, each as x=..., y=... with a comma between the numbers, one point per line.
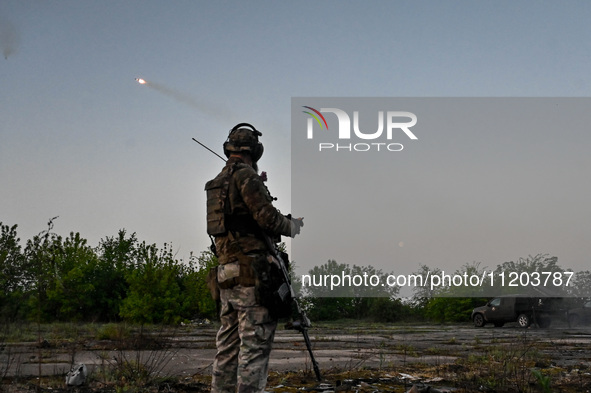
x=390, y=125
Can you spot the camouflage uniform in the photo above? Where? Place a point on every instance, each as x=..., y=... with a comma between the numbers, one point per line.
x=247, y=329
x=251, y=210
x=243, y=341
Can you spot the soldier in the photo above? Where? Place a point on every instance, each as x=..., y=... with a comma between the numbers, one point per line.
x=239, y=211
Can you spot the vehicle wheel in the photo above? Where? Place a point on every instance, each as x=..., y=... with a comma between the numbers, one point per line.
x=499, y=324
x=574, y=320
x=544, y=322
x=479, y=320
x=524, y=320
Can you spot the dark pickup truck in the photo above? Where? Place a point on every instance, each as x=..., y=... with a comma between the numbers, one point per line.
x=521, y=309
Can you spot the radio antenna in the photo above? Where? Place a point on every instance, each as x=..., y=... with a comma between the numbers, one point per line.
x=222, y=158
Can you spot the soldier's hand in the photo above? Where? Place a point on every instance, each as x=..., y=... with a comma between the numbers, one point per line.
x=296, y=225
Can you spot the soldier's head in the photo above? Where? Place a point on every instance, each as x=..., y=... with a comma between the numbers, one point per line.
x=244, y=139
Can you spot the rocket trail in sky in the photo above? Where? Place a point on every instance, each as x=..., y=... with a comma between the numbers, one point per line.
x=205, y=107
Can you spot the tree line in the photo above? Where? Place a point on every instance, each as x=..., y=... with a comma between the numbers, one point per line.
x=54, y=278
x=444, y=303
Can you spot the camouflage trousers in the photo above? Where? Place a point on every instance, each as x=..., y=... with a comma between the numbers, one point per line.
x=243, y=343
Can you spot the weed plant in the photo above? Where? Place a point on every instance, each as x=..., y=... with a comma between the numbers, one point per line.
x=502, y=367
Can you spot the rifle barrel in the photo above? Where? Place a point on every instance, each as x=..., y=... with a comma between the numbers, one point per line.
x=309, y=346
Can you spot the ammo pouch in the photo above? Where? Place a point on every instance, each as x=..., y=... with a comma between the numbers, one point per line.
x=235, y=273
x=272, y=290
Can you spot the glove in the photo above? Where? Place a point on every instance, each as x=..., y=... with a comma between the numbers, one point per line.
x=296, y=225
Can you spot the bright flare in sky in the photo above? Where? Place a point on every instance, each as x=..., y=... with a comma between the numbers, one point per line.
x=141, y=81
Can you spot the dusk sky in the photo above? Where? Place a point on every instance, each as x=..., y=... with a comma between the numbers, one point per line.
x=82, y=140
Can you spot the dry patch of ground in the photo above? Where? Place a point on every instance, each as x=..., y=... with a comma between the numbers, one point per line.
x=352, y=357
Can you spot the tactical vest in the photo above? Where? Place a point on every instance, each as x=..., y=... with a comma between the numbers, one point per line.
x=220, y=223
x=220, y=218
x=217, y=202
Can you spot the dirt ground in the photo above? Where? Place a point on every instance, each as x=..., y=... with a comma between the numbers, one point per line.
x=351, y=356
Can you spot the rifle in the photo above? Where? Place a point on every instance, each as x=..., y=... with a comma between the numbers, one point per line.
x=302, y=324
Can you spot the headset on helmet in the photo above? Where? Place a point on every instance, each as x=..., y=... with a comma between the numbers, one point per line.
x=244, y=137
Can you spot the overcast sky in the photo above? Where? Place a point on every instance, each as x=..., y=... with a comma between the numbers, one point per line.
x=82, y=140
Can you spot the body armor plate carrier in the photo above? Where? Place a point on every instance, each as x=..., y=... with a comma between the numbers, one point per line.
x=218, y=204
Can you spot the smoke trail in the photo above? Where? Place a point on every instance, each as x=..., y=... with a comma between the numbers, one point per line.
x=9, y=38
x=204, y=107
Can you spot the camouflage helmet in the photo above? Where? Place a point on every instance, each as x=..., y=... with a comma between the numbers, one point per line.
x=244, y=138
